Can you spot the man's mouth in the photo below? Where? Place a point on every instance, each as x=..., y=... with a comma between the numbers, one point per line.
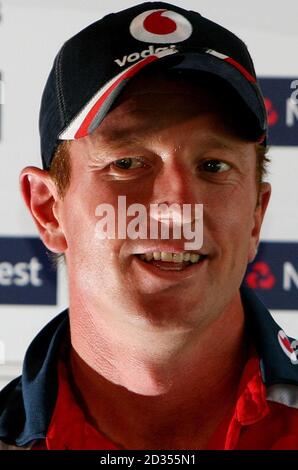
x=168, y=261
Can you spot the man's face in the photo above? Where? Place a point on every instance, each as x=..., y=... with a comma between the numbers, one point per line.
x=177, y=148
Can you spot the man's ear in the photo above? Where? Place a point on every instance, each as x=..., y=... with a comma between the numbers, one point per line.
x=41, y=197
x=263, y=200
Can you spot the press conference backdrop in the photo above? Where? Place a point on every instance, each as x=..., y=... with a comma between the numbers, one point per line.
x=31, y=32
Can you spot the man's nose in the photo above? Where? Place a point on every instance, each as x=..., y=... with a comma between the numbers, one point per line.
x=175, y=183
x=176, y=188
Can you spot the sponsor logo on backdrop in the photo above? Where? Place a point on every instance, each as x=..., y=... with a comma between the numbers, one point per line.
x=260, y=276
x=27, y=276
x=274, y=275
x=281, y=100
x=294, y=94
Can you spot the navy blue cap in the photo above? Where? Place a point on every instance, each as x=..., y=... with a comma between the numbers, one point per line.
x=93, y=66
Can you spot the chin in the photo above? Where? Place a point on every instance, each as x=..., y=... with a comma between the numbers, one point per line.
x=170, y=316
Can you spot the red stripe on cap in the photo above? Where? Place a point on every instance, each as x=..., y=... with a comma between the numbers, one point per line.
x=241, y=69
x=83, y=129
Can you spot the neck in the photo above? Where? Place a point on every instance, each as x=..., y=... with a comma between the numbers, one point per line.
x=141, y=398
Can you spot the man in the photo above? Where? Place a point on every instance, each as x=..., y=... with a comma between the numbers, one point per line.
x=161, y=347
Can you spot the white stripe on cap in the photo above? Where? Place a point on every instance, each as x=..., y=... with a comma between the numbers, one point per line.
x=219, y=55
x=72, y=129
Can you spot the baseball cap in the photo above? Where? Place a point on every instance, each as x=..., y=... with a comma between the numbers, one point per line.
x=92, y=67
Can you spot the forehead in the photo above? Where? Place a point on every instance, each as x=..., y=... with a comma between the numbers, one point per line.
x=175, y=110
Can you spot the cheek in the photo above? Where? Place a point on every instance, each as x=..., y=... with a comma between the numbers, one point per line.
x=80, y=218
x=90, y=258
x=229, y=216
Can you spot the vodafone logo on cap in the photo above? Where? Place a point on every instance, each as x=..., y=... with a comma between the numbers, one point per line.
x=160, y=26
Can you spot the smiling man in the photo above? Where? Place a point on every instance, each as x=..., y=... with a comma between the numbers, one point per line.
x=161, y=347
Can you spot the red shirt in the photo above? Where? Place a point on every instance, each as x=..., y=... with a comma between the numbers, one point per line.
x=255, y=423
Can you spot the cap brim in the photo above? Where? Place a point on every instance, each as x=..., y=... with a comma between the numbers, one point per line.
x=249, y=92
x=97, y=108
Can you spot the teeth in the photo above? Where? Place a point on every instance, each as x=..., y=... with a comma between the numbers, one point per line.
x=166, y=256
x=171, y=257
x=194, y=257
x=177, y=257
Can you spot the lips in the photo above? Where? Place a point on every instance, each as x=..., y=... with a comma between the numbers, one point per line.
x=173, y=265
x=173, y=247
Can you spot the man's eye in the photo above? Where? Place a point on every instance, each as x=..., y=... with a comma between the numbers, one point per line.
x=128, y=163
x=215, y=166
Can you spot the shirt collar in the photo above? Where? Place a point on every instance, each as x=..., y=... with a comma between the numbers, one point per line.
x=27, y=403
x=276, y=365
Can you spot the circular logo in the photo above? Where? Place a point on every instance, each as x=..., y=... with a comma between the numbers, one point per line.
x=260, y=276
x=160, y=26
x=287, y=347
